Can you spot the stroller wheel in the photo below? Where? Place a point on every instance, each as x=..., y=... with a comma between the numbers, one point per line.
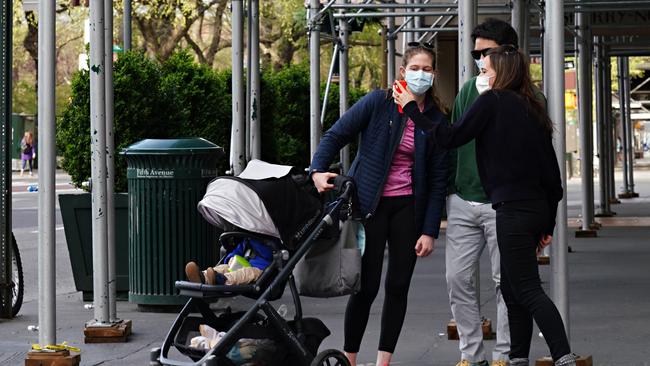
x=330, y=357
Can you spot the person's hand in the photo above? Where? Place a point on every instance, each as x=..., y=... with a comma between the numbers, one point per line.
x=544, y=241
x=401, y=94
x=320, y=181
x=424, y=245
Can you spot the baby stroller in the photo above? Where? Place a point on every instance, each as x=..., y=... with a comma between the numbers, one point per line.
x=276, y=205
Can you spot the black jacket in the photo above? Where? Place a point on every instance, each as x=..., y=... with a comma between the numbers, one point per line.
x=514, y=153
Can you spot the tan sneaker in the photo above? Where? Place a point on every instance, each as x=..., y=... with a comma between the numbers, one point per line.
x=500, y=363
x=467, y=363
x=193, y=273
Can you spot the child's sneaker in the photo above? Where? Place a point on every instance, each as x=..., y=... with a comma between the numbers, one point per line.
x=193, y=273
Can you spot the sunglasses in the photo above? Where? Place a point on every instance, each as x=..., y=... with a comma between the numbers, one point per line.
x=476, y=54
x=505, y=49
x=425, y=45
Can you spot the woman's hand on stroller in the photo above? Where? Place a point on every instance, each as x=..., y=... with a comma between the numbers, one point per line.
x=321, y=181
x=424, y=245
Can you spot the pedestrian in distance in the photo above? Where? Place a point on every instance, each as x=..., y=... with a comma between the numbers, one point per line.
x=401, y=183
x=27, y=152
x=519, y=171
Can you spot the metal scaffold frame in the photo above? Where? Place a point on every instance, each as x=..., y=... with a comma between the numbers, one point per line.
x=554, y=51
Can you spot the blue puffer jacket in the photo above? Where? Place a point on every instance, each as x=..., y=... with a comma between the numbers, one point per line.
x=376, y=117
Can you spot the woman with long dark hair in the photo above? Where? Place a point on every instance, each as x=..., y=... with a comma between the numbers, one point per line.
x=519, y=172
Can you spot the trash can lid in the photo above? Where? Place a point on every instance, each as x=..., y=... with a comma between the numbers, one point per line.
x=173, y=147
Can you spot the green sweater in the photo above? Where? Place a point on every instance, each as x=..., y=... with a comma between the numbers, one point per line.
x=463, y=171
x=463, y=177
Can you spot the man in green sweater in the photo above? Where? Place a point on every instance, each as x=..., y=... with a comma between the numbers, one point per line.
x=472, y=221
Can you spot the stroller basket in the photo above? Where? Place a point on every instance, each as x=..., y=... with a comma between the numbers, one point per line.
x=258, y=328
x=255, y=329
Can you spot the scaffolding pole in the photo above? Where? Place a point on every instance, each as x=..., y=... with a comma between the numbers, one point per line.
x=344, y=32
x=98, y=162
x=314, y=77
x=254, y=104
x=408, y=23
x=466, y=23
x=390, y=55
x=46, y=173
x=585, y=124
x=610, y=127
x=519, y=18
x=622, y=102
x=630, y=128
x=110, y=162
x=127, y=25
x=601, y=129
x=554, y=19
x=238, y=141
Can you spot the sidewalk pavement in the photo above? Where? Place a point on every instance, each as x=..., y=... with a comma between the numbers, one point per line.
x=20, y=184
x=609, y=306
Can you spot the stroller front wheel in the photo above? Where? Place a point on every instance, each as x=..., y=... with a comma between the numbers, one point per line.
x=330, y=357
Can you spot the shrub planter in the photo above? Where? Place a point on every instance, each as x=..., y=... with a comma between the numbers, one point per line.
x=77, y=224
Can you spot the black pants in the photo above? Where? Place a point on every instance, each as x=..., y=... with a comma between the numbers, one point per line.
x=393, y=222
x=520, y=225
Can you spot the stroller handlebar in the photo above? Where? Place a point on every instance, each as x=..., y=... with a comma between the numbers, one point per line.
x=343, y=185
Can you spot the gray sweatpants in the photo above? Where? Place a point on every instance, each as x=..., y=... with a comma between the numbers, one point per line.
x=470, y=227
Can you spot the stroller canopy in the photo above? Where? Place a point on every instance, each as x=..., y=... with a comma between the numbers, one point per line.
x=268, y=199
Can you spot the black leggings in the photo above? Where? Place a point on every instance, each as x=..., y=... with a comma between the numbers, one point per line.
x=520, y=225
x=393, y=222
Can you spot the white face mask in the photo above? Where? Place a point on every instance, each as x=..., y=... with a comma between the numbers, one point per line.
x=483, y=83
x=480, y=63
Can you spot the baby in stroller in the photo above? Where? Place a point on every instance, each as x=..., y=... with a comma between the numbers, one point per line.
x=242, y=266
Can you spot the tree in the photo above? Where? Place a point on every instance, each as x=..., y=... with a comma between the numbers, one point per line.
x=163, y=24
x=69, y=44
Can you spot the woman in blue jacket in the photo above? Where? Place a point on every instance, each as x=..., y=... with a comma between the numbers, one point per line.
x=401, y=182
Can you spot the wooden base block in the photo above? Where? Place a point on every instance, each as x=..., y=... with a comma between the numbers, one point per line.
x=614, y=201
x=58, y=358
x=628, y=195
x=487, y=329
x=116, y=333
x=582, y=361
x=605, y=214
x=543, y=260
x=452, y=330
x=595, y=226
x=586, y=234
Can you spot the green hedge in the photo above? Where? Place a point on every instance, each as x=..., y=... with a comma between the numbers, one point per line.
x=180, y=98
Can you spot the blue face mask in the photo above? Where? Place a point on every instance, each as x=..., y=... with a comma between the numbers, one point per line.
x=418, y=81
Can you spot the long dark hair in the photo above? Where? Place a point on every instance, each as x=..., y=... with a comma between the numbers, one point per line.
x=414, y=49
x=513, y=73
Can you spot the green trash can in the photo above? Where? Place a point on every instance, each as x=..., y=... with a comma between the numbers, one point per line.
x=166, y=181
